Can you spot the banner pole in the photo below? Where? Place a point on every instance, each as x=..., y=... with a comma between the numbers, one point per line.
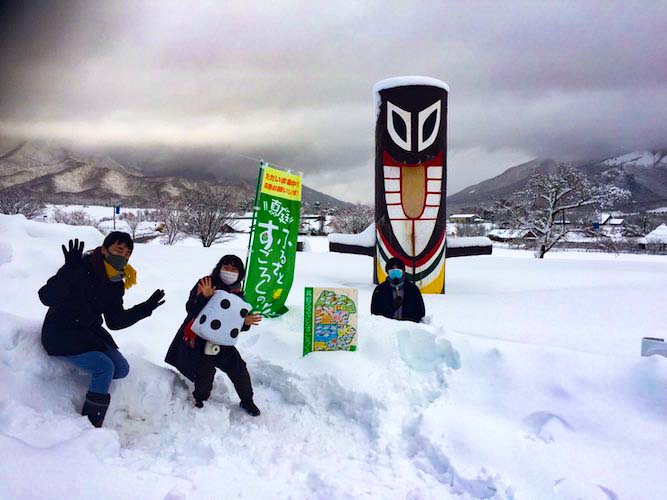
x=252, y=223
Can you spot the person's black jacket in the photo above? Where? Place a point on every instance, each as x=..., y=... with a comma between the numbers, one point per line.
x=180, y=355
x=77, y=297
x=413, y=304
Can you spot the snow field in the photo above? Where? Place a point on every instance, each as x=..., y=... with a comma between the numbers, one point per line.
x=525, y=383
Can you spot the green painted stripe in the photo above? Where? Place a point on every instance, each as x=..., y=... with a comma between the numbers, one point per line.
x=425, y=272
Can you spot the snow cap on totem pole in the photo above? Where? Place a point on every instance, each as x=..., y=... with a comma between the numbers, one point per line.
x=411, y=178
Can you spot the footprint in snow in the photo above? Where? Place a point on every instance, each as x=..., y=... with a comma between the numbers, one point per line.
x=568, y=489
x=545, y=426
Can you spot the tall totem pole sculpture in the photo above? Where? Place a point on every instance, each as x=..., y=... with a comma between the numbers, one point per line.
x=411, y=178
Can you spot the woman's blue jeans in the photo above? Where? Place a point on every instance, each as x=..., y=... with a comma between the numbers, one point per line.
x=103, y=366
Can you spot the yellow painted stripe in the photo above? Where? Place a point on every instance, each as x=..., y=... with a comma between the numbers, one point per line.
x=436, y=285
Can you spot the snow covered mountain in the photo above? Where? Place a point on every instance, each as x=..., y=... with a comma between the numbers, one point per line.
x=62, y=174
x=643, y=173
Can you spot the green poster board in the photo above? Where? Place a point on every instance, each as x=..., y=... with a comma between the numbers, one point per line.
x=330, y=319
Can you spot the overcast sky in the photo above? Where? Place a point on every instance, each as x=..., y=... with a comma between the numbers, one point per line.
x=291, y=82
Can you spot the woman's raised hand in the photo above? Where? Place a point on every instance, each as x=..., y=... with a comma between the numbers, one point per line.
x=205, y=287
x=252, y=319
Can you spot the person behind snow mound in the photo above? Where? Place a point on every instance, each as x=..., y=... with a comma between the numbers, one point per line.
x=197, y=358
x=397, y=298
x=85, y=288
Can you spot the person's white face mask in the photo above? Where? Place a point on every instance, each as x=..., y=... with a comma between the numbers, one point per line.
x=229, y=277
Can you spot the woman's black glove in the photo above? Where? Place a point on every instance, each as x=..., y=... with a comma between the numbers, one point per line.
x=73, y=255
x=154, y=301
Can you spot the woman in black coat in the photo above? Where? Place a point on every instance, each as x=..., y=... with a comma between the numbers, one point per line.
x=187, y=351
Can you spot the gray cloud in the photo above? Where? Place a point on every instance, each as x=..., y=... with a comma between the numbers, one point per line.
x=291, y=81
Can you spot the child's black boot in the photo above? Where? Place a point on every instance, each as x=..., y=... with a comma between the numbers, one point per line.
x=250, y=407
x=95, y=407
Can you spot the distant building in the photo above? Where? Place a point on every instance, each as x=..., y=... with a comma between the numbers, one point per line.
x=465, y=219
x=606, y=219
x=655, y=240
x=505, y=235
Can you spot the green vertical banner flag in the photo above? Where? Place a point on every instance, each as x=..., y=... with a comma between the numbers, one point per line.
x=272, y=252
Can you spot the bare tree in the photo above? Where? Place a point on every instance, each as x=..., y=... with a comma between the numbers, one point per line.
x=134, y=220
x=547, y=198
x=73, y=218
x=354, y=219
x=210, y=213
x=14, y=201
x=172, y=215
x=470, y=230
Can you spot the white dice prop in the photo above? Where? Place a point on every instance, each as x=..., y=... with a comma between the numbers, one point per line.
x=222, y=318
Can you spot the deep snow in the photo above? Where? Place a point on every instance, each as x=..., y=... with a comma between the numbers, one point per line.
x=526, y=383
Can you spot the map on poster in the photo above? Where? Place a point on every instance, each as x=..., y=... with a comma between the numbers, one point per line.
x=330, y=319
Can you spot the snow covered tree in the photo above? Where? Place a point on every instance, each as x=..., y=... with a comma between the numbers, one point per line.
x=134, y=220
x=73, y=218
x=546, y=199
x=14, y=201
x=210, y=213
x=172, y=216
x=354, y=219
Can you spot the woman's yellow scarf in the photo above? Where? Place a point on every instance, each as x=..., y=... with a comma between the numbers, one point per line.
x=130, y=274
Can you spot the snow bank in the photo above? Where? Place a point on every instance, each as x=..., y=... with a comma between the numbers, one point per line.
x=469, y=241
x=525, y=383
x=366, y=238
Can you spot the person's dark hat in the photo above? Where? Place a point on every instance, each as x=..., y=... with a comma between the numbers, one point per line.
x=394, y=263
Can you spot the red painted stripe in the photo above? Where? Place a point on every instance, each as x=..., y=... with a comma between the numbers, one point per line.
x=406, y=261
x=423, y=218
x=426, y=257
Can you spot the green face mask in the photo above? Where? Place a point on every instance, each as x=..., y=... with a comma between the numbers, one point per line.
x=116, y=261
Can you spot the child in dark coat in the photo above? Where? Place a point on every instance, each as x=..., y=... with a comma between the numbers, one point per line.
x=86, y=288
x=396, y=297
x=188, y=352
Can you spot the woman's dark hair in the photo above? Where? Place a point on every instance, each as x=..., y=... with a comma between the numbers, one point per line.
x=120, y=238
x=231, y=260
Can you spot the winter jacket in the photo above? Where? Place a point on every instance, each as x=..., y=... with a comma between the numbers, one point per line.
x=77, y=297
x=382, y=303
x=180, y=355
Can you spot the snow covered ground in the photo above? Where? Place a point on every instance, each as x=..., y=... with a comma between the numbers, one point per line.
x=526, y=383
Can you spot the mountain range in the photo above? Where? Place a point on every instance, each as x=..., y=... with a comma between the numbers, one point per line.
x=138, y=176
x=643, y=173
x=76, y=175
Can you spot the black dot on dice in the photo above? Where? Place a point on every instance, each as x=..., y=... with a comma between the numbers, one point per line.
x=244, y=313
x=202, y=320
x=234, y=333
x=225, y=304
x=215, y=324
